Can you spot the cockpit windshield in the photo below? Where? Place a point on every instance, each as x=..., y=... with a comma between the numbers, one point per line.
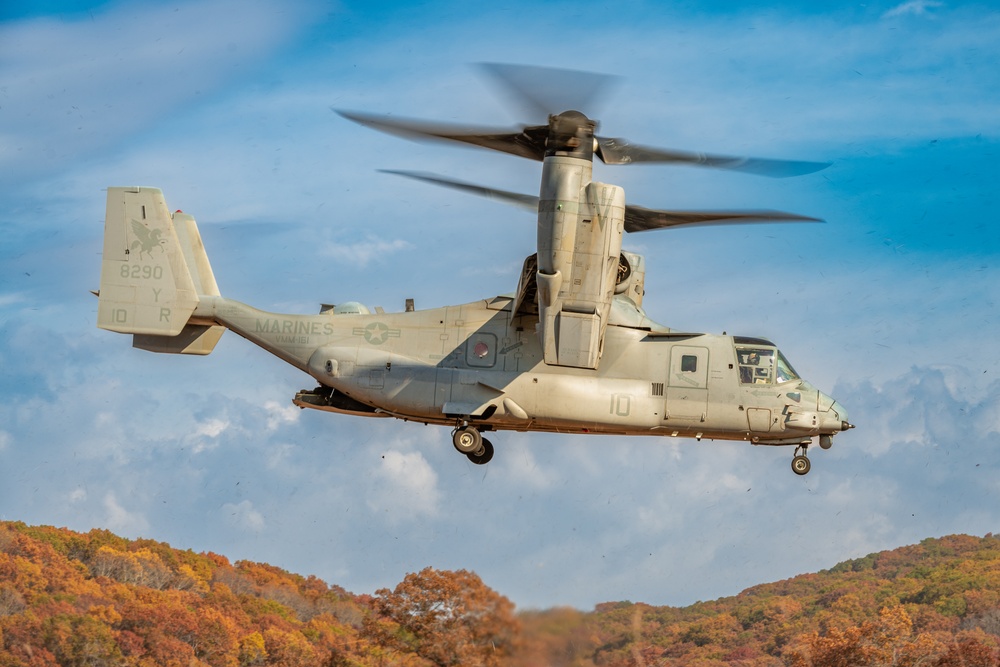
x=785, y=371
x=764, y=365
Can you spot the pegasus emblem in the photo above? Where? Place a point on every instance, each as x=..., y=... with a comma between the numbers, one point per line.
x=146, y=239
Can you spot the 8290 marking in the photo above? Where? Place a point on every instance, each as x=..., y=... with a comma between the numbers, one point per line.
x=146, y=271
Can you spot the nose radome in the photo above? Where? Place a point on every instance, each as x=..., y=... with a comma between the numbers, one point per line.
x=846, y=425
x=835, y=415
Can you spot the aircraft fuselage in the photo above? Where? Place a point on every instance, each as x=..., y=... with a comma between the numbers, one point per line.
x=477, y=364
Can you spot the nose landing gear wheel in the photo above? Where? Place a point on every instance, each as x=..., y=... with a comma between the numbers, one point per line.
x=484, y=455
x=801, y=464
x=467, y=440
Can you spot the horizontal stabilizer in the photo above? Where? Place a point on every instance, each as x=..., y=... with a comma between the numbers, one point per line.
x=193, y=339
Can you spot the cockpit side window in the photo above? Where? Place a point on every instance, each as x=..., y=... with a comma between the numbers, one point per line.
x=785, y=371
x=756, y=364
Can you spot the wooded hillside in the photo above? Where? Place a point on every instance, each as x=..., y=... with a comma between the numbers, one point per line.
x=68, y=598
x=97, y=599
x=936, y=604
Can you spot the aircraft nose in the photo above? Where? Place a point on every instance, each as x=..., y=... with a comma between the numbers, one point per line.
x=841, y=412
x=834, y=415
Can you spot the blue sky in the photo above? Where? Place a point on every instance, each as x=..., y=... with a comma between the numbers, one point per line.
x=891, y=306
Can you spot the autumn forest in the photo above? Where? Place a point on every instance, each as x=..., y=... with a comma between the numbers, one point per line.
x=94, y=598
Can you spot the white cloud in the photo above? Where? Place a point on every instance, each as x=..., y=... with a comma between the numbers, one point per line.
x=211, y=428
x=206, y=434
x=406, y=487
x=121, y=520
x=279, y=415
x=242, y=515
x=363, y=253
x=913, y=7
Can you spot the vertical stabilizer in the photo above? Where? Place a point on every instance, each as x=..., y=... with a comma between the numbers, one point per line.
x=195, y=255
x=154, y=268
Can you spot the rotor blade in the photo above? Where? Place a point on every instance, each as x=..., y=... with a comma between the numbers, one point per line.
x=528, y=142
x=547, y=90
x=639, y=219
x=527, y=202
x=620, y=151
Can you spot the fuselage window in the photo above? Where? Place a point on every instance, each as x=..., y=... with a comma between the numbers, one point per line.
x=689, y=363
x=756, y=365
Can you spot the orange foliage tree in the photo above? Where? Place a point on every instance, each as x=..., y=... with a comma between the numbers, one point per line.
x=449, y=618
x=886, y=642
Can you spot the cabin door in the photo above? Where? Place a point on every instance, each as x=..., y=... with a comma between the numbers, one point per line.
x=687, y=385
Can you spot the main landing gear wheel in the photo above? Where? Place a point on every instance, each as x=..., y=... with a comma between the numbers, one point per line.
x=800, y=462
x=467, y=440
x=484, y=455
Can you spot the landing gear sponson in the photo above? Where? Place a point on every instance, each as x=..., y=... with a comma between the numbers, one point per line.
x=470, y=442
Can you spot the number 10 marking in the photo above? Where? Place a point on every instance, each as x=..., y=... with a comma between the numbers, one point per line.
x=621, y=404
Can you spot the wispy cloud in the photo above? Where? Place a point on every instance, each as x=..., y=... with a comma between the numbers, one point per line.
x=363, y=253
x=73, y=86
x=11, y=298
x=914, y=8
x=122, y=520
x=243, y=516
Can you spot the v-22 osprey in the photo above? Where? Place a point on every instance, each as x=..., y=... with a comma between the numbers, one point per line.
x=571, y=350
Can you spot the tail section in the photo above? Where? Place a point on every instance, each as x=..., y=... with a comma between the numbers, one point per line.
x=195, y=255
x=153, y=271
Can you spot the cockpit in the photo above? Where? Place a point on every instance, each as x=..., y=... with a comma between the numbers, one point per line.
x=760, y=362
